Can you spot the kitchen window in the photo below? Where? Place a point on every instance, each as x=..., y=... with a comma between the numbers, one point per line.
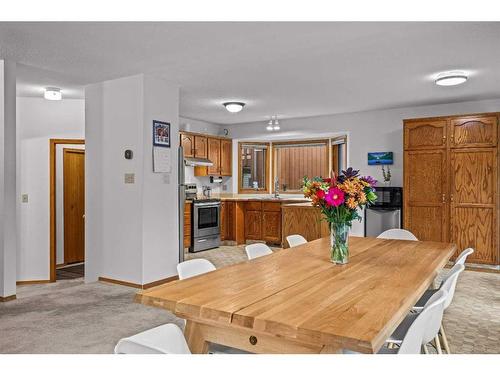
x=253, y=167
x=292, y=161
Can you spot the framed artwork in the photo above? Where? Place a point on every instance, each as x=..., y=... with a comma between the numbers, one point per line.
x=161, y=134
x=380, y=158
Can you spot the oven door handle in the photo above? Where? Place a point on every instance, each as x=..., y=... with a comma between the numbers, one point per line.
x=211, y=204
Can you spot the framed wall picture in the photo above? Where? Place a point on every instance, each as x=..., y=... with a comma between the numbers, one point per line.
x=380, y=158
x=161, y=134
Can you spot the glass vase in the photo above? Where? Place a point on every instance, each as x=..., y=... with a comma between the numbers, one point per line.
x=339, y=241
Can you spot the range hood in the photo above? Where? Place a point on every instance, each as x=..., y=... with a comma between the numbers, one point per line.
x=197, y=162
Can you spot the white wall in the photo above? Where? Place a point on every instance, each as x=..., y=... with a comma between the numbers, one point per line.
x=131, y=229
x=38, y=120
x=367, y=131
x=60, y=199
x=197, y=126
x=8, y=178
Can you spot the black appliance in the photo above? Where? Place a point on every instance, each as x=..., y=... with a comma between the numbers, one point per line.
x=386, y=213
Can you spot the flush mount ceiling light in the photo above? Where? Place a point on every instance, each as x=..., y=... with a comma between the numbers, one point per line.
x=452, y=78
x=273, y=123
x=52, y=93
x=234, y=107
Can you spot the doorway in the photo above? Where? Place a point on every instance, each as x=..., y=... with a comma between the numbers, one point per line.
x=67, y=209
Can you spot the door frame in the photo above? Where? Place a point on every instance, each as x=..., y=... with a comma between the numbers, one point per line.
x=53, y=142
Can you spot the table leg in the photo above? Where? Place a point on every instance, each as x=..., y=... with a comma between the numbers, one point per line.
x=194, y=337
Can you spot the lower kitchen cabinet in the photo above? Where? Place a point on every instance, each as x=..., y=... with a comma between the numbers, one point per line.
x=271, y=226
x=253, y=225
x=227, y=221
x=187, y=224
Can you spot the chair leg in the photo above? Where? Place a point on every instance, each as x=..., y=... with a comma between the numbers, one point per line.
x=438, y=344
x=445, y=340
x=426, y=351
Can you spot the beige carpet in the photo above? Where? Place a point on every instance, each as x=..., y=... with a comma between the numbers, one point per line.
x=72, y=317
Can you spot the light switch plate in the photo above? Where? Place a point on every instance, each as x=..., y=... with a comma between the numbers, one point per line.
x=130, y=178
x=24, y=198
x=166, y=178
x=224, y=187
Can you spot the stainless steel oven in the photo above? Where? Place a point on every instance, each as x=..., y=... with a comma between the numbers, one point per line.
x=206, y=224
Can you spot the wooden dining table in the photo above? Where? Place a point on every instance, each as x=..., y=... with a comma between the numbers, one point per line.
x=297, y=301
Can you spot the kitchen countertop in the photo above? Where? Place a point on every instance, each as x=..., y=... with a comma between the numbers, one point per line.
x=258, y=197
x=303, y=205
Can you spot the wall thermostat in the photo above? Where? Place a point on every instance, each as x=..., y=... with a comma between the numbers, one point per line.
x=129, y=154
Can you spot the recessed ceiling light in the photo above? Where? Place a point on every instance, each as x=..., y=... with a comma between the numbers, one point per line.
x=52, y=93
x=451, y=78
x=234, y=107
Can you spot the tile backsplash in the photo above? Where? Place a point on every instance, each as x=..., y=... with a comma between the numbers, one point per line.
x=217, y=187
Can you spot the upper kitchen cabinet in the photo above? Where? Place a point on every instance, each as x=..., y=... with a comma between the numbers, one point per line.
x=187, y=143
x=473, y=131
x=214, y=155
x=226, y=157
x=200, y=146
x=425, y=134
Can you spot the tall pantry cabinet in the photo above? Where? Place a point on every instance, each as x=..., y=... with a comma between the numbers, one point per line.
x=451, y=182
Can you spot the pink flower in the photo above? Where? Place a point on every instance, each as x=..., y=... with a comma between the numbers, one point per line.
x=334, y=197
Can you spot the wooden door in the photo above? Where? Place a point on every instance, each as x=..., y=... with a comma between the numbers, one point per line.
x=425, y=198
x=214, y=156
x=74, y=205
x=200, y=146
x=226, y=157
x=425, y=134
x=187, y=143
x=230, y=221
x=473, y=202
x=473, y=131
x=271, y=226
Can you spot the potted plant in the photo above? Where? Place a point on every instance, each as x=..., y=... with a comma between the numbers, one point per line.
x=339, y=198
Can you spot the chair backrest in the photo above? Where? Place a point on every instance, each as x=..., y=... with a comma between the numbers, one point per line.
x=450, y=283
x=397, y=234
x=463, y=255
x=194, y=267
x=421, y=326
x=164, y=339
x=257, y=250
x=435, y=315
x=295, y=240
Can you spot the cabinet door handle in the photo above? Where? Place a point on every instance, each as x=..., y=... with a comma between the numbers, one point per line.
x=444, y=198
x=451, y=197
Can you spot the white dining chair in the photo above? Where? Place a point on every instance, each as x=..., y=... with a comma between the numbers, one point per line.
x=194, y=267
x=397, y=234
x=257, y=250
x=449, y=285
x=463, y=255
x=165, y=339
x=417, y=330
x=295, y=240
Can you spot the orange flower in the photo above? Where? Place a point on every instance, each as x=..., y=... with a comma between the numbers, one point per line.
x=362, y=197
x=351, y=203
x=352, y=187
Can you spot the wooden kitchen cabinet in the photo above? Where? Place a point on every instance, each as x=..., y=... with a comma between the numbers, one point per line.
x=227, y=221
x=451, y=187
x=253, y=220
x=271, y=223
x=226, y=157
x=425, y=134
x=200, y=146
x=214, y=156
x=187, y=143
x=187, y=224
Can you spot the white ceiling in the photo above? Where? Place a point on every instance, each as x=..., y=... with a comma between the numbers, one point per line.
x=290, y=69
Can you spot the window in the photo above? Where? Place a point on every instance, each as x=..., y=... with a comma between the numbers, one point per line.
x=294, y=160
x=253, y=167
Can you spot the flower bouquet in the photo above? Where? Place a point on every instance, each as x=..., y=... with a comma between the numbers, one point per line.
x=339, y=198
